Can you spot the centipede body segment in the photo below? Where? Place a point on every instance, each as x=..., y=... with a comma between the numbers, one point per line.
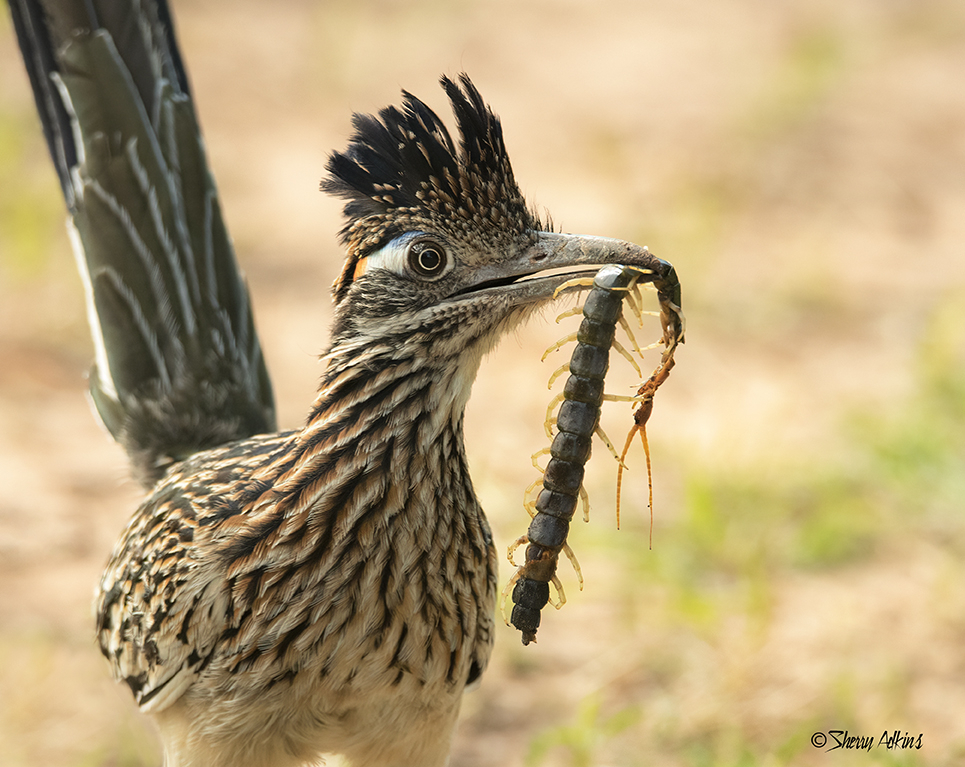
x=576, y=423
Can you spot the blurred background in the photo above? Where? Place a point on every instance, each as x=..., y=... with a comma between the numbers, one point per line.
x=802, y=164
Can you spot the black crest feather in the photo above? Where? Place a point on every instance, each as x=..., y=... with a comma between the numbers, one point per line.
x=405, y=164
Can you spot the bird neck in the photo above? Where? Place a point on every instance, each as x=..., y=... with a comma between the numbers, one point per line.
x=387, y=389
x=383, y=446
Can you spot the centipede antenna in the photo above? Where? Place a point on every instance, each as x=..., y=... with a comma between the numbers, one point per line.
x=571, y=555
x=564, y=368
x=558, y=345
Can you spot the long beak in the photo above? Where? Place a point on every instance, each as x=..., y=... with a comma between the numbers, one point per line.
x=534, y=275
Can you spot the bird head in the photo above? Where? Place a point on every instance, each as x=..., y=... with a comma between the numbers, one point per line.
x=438, y=233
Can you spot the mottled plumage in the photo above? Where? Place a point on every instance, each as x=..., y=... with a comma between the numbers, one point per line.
x=331, y=588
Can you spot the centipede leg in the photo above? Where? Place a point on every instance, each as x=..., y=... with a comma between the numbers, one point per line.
x=550, y=418
x=635, y=398
x=639, y=350
x=569, y=313
x=629, y=332
x=558, y=345
x=564, y=368
x=530, y=495
x=579, y=282
x=515, y=545
x=535, y=457
x=606, y=441
x=558, y=585
x=570, y=555
x=637, y=308
x=634, y=299
x=627, y=356
x=505, y=593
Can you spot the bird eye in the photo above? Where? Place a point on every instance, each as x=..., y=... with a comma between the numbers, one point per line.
x=427, y=258
x=413, y=255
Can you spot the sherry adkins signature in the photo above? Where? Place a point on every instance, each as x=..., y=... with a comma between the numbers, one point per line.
x=844, y=739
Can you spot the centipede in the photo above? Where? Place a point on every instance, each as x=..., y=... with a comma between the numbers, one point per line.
x=560, y=488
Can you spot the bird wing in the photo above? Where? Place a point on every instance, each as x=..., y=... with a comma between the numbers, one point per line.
x=159, y=618
x=178, y=364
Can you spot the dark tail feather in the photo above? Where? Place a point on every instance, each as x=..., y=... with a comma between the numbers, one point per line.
x=178, y=364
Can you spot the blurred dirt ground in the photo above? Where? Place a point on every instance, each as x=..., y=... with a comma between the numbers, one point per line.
x=801, y=163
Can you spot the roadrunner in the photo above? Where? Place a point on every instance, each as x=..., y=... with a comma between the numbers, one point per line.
x=329, y=589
